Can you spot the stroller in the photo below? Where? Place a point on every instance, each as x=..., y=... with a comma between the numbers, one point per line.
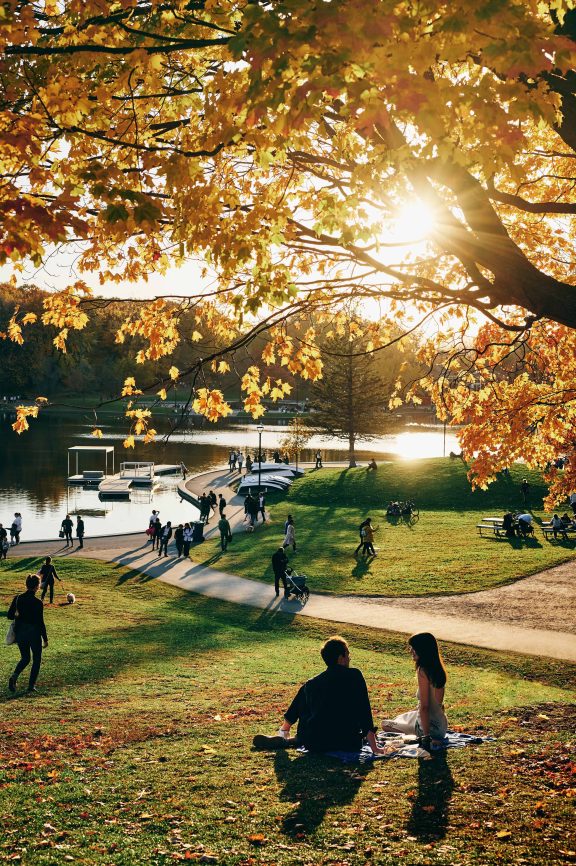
x=296, y=586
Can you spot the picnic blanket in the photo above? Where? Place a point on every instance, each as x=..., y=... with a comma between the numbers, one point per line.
x=399, y=746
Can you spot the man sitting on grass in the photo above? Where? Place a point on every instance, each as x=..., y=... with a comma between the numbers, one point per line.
x=332, y=709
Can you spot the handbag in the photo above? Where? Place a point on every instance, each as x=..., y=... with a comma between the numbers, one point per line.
x=11, y=633
x=61, y=534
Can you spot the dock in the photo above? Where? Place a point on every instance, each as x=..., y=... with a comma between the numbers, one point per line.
x=167, y=469
x=115, y=488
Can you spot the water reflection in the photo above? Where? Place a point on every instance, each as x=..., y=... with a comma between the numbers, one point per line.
x=33, y=469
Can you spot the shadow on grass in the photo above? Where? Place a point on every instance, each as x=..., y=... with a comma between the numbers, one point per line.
x=429, y=819
x=313, y=784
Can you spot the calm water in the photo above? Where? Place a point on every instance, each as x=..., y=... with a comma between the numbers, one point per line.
x=34, y=469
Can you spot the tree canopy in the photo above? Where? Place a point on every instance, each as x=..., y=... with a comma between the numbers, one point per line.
x=280, y=142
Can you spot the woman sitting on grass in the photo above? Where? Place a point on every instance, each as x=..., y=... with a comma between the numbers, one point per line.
x=429, y=721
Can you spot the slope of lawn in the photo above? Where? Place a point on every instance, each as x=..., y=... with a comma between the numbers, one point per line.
x=440, y=553
x=137, y=748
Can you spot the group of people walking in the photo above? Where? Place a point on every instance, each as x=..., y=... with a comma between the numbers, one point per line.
x=366, y=532
x=334, y=713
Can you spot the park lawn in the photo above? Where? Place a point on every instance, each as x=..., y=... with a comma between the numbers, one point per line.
x=137, y=748
x=441, y=553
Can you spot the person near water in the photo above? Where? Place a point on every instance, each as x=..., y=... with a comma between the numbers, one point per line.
x=157, y=527
x=179, y=539
x=165, y=536
x=429, y=721
x=187, y=537
x=67, y=526
x=27, y=612
x=47, y=573
x=80, y=531
x=4, y=543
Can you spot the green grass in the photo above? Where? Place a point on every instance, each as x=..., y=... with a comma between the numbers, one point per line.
x=137, y=748
x=440, y=553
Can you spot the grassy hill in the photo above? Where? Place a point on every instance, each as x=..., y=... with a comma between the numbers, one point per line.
x=440, y=553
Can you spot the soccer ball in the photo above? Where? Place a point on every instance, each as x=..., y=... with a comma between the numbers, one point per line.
x=70, y=598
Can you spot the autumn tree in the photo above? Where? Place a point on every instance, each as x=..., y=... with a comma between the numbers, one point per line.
x=281, y=142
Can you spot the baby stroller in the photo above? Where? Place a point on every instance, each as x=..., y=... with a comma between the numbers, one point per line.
x=296, y=586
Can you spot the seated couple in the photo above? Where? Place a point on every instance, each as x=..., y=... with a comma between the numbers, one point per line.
x=333, y=709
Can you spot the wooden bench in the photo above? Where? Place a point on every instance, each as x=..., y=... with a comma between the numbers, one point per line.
x=548, y=531
x=495, y=528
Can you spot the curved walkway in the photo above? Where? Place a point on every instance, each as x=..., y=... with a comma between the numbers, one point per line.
x=498, y=619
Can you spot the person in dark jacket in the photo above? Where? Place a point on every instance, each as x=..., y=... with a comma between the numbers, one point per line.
x=225, y=531
x=28, y=613
x=4, y=545
x=179, y=539
x=47, y=573
x=279, y=563
x=157, y=527
x=165, y=536
x=80, y=531
x=67, y=527
x=332, y=709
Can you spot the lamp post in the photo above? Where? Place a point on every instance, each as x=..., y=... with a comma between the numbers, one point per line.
x=260, y=429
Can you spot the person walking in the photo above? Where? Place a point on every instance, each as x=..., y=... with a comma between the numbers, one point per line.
x=231, y=460
x=249, y=464
x=361, y=531
x=221, y=504
x=47, y=573
x=262, y=506
x=204, y=506
x=187, y=539
x=318, y=460
x=179, y=539
x=240, y=461
x=165, y=536
x=253, y=509
x=368, y=543
x=27, y=612
x=213, y=500
x=225, y=531
x=279, y=563
x=67, y=527
x=290, y=534
x=80, y=532
x=184, y=471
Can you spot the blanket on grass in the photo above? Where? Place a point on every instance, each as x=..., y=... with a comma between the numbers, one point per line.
x=399, y=746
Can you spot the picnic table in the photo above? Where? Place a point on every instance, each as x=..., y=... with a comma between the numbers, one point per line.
x=548, y=530
x=495, y=525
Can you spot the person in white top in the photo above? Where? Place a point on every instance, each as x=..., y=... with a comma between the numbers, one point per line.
x=429, y=721
x=16, y=528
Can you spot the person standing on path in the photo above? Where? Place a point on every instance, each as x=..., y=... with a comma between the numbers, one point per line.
x=16, y=528
x=249, y=464
x=187, y=539
x=290, y=534
x=184, y=471
x=157, y=527
x=47, y=573
x=240, y=462
x=179, y=539
x=225, y=532
x=204, y=504
x=262, y=506
x=318, y=460
x=80, y=532
x=67, y=527
x=279, y=563
x=213, y=501
x=165, y=536
x=221, y=504
x=28, y=613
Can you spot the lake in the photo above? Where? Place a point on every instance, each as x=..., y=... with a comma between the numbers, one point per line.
x=34, y=469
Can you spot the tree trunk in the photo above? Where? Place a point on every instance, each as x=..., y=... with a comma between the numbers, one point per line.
x=351, y=418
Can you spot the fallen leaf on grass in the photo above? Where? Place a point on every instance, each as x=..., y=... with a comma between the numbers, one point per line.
x=503, y=834
x=257, y=839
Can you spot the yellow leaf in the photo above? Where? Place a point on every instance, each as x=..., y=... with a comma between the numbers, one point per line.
x=174, y=372
x=162, y=393
x=97, y=432
x=129, y=442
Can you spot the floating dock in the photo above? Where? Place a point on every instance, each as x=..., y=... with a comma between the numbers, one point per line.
x=167, y=468
x=115, y=488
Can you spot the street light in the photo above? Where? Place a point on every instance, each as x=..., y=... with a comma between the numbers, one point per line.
x=260, y=429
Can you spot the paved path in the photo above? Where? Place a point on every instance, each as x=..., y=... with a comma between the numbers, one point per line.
x=499, y=619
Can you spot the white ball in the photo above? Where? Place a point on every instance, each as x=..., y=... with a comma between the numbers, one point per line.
x=71, y=598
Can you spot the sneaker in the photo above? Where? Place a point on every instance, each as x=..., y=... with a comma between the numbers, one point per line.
x=12, y=684
x=263, y=743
